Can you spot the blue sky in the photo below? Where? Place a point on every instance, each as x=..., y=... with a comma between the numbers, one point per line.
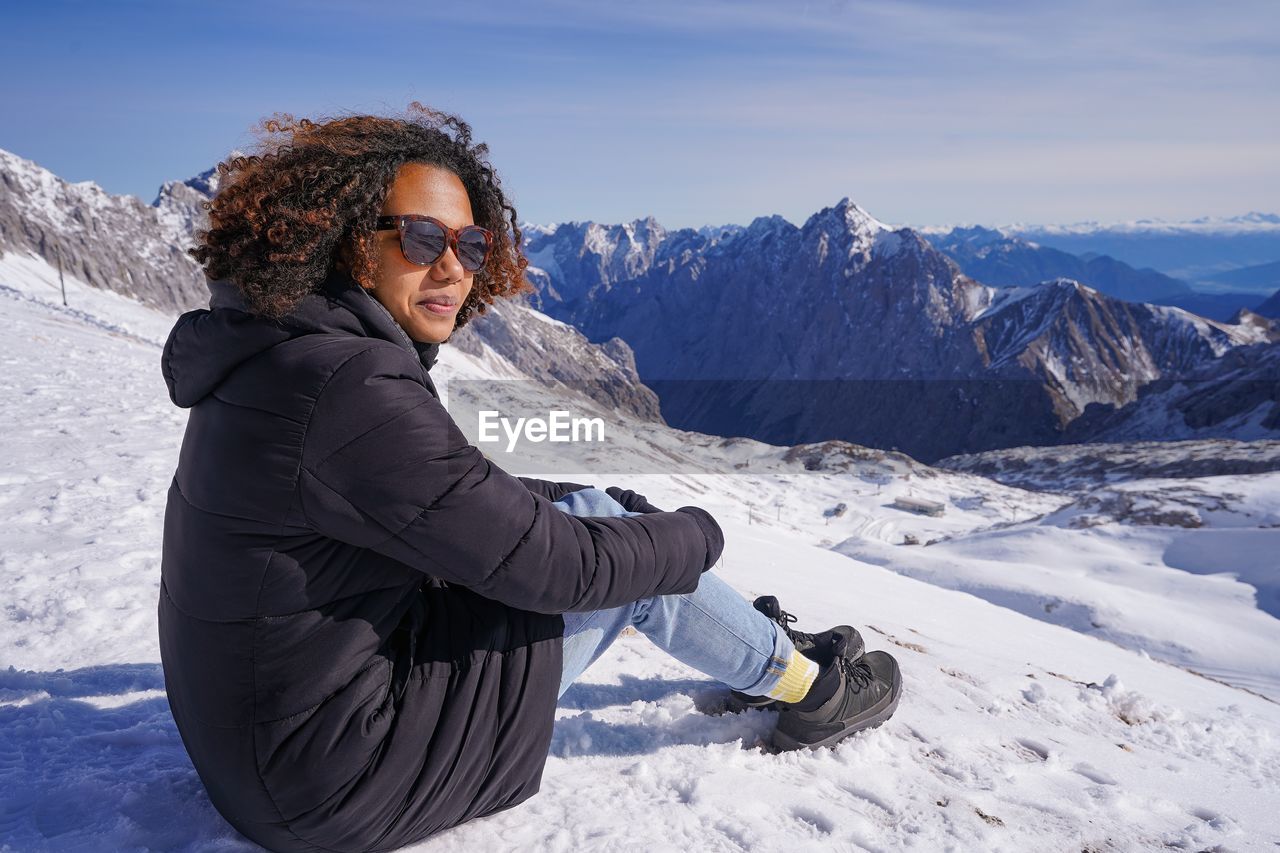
x=694, y=112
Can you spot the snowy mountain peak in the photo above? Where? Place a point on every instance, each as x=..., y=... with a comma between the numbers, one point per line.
x=762, y=225
x=977, y=236
x=858, y=219
x=633, y=243
x=646, y=231
x=529, y=230
x=717, y=233
x=1267, y=327
x=859, y=233
x=49, y=199
x=206, y=182
x=847, y=216
x=1065, y=284
x=14, y=163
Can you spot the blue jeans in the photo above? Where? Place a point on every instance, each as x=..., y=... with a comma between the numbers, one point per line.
x=712, y=629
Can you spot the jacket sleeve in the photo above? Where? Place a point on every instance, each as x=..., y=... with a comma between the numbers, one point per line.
x=385, y=467
x=632, y=501
x=549, y=490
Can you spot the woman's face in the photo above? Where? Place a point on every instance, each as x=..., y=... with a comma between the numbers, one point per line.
x=424, y=300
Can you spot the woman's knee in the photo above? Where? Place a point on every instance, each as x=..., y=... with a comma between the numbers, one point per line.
x=654, y=608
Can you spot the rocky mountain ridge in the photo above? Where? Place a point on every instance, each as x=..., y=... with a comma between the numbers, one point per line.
x=847, y=328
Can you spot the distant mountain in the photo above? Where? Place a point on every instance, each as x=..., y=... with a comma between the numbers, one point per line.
x=1271, y=307
x=1252, y=222
x=1193, y=250
x=992, y=258
x=845, y=328
x=113, y=242
x=1261, y=277
x=1215, y=306
x=1237, y=395
x=178, y=205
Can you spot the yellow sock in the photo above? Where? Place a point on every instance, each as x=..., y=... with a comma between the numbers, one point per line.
x=796, y=679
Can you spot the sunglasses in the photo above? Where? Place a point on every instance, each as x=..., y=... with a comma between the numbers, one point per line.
x=423, y=240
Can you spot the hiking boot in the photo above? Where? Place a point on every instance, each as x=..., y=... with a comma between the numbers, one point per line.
x=804, y=642
x=850, y=694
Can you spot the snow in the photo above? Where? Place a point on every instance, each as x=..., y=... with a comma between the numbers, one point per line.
x=545, y=260
x=846, y=220
x=859, y=219
x=542, y=229
x=1232, y=334
x=31, y=278
x=999, y=298
x=1205, y=598
x=887, y=243
x=1013, y=733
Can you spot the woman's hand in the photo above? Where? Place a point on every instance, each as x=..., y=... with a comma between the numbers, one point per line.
x=633, y=501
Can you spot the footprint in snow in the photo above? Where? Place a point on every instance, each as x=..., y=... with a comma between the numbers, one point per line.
x=812, y=818
x=1029, y=749
x=1094, y=775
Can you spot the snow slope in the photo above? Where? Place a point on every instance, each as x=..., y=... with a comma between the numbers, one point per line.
x=1204, y=597
x=1014, y=733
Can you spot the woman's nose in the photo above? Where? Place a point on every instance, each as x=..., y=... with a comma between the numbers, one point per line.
x=447, y=267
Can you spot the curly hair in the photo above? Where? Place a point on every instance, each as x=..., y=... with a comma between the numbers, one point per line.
x=282, y=214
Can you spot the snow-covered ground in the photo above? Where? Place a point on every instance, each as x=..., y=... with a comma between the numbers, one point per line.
x=1014, y=733
x=1205, y=598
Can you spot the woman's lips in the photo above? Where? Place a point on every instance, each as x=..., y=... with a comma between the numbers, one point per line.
x=439, y=305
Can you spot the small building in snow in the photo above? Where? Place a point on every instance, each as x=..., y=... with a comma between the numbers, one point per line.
x=920, y=506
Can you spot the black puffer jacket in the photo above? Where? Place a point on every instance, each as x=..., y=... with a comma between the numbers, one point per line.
x=359, y=613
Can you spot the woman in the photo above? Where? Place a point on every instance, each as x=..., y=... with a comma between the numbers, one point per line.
x=364, y=624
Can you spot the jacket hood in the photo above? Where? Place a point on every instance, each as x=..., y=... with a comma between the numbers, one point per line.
x=207, y=344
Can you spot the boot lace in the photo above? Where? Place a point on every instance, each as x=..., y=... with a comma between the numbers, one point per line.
x=858, y=672
x=785, y=619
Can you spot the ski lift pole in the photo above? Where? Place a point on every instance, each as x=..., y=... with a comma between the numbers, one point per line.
x=61, y=281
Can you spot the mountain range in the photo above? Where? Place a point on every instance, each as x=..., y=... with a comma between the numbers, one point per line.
x=843, y=328
x=1010, y=261
x=846, y=328
x=1195, y=250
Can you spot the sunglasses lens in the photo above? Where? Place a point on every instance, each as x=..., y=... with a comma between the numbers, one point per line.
x=423, y=242
x=473, y=247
